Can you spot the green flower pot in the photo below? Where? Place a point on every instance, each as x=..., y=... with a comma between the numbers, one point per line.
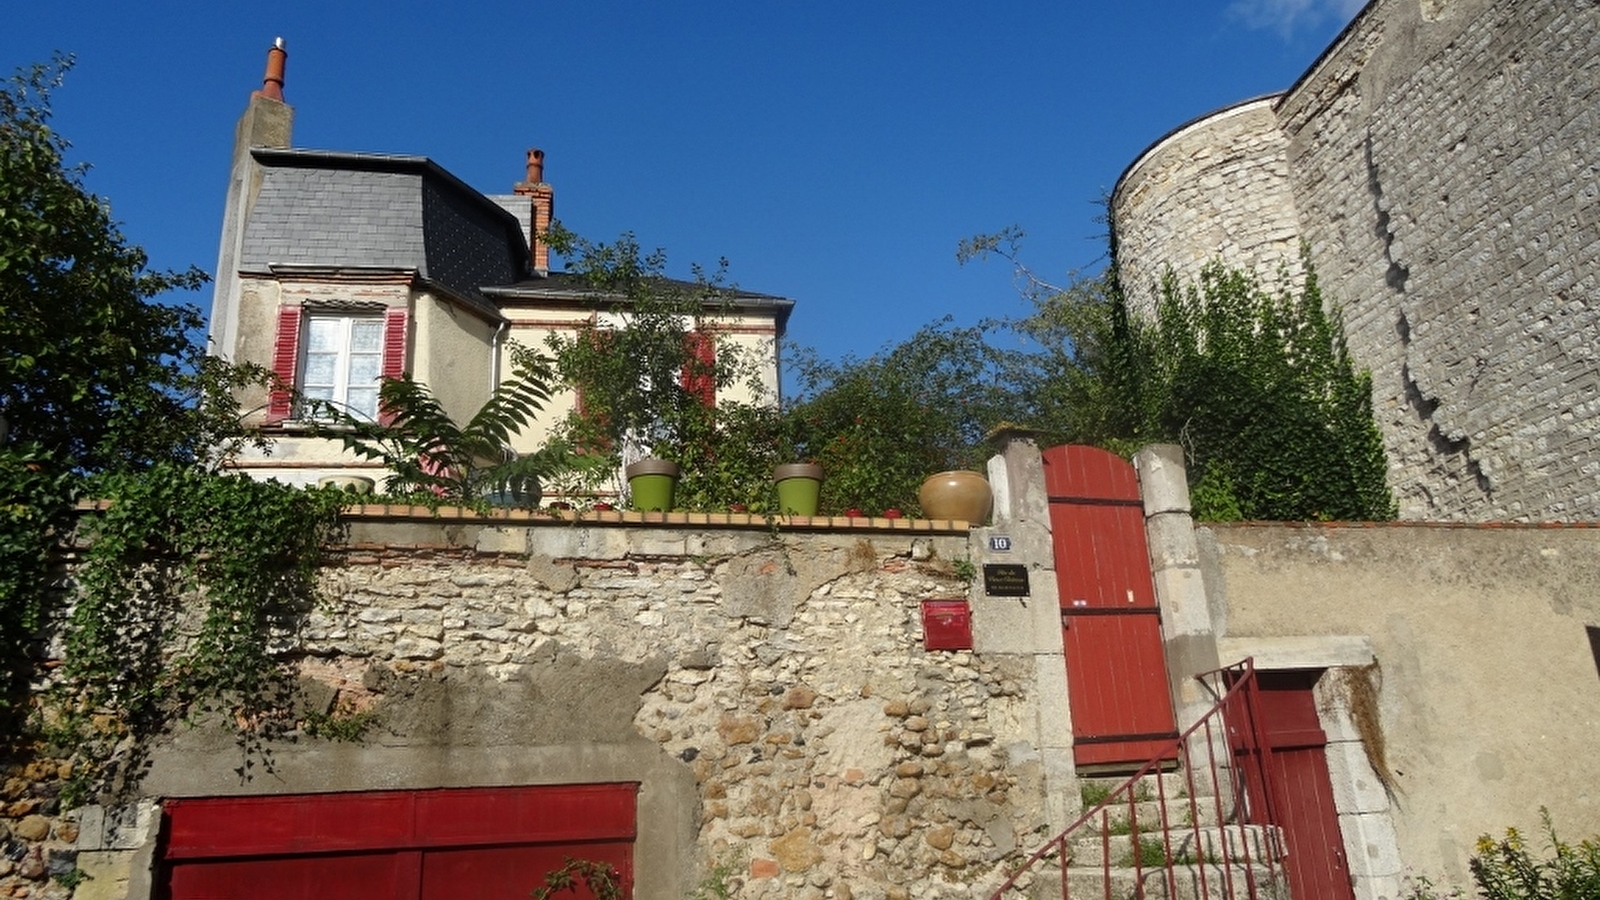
x=651, y=484
x=799, y=488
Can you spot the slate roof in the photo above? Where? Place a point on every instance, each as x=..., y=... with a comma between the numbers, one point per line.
x=368, y=210
x=323, y=209
x=568, y=287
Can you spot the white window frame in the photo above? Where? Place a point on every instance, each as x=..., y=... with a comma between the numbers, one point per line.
x=346, y=356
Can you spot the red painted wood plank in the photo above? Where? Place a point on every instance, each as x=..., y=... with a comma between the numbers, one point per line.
x=325, y=823
x=1116, y=662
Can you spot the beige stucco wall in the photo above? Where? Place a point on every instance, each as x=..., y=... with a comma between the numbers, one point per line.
x=448, y=348
x=752, y=337
x=451, y=353
x=1490, y=696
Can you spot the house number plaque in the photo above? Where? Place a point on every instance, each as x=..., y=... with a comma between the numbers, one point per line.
x=1005, y=579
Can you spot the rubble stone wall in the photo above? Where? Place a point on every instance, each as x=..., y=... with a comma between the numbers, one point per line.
x=769, y=690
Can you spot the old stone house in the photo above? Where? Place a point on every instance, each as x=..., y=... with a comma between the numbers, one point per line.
x=337, y=269
x=1438, y=161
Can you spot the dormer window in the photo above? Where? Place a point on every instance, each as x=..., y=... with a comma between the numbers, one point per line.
x=337, y=355
x=342, y=362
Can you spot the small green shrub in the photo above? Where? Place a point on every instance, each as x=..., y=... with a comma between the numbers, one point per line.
x=1506, y=869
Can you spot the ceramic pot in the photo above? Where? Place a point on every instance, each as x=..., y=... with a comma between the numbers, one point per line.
x=799, y=488
x=356, y=484
x=651, y=483
x=959, y=495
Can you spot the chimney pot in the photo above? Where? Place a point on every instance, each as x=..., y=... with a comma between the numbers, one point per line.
x=272, y=81
x=535, y=166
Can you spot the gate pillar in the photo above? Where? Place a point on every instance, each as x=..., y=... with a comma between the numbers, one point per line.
x=1188, y=632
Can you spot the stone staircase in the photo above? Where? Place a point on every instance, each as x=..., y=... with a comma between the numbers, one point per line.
x=1123, y=851
x=1130, y=845
x=1174, y=831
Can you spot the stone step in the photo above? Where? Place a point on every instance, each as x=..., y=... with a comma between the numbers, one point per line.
x=1173, y=783
x=1187, y=844
x=1236, y=882
x=1119, y=818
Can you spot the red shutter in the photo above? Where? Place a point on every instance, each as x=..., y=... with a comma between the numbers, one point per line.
x=394, y=351
x=700, y=375
x=285, y=359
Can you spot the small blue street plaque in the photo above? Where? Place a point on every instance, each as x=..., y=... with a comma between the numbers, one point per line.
x=999, y=543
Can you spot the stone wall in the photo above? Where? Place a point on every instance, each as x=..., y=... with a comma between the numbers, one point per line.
x=1439, y=158
x=1218, y=186
x=768, y=689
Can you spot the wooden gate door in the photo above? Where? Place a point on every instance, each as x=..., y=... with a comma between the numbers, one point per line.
x=1110, y=624
x=1302, y=794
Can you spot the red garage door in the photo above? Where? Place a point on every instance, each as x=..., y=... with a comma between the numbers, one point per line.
x=474, y=843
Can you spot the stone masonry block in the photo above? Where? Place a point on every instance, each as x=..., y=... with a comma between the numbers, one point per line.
x=1163, y=481
x=1050, y=699
x=1002, y=625
x=1172, y=541
x=1356, y=788
x=1182, y=596
x=91, y=827
x=574, y=542
x=503, y=540
x=1370, y=844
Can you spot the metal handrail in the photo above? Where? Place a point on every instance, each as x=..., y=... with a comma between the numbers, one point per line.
x=1235, y=719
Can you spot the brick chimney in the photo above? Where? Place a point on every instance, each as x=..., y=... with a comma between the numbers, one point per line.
x=543, y=197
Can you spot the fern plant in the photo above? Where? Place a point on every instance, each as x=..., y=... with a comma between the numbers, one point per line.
x=427, y=452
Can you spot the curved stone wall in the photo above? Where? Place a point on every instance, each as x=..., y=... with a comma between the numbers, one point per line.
x=1217, y=187
x=1439, y=160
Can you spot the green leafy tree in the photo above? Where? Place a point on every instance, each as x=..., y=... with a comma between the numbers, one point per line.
x=96, y=378
x=93, y=372
x=879, y=426
x=643, y=385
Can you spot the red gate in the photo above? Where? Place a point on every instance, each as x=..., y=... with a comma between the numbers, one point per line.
x=1110, y=624
x=488, y=843
x=1301, y=791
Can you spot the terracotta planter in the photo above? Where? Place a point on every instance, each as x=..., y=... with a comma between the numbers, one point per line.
x=959, y=495
x=799, y=488
x=651, y=483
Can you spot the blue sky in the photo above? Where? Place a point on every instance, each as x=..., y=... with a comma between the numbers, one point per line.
x=834, y=152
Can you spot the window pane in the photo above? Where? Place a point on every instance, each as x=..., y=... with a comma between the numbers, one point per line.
x=366, y=335
x=324, y=335
x=363, y=370
x=320, y=368
x=363, y=402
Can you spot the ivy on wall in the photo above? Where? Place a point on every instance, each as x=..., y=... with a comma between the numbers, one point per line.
x=190, y=590
x=1257, y=386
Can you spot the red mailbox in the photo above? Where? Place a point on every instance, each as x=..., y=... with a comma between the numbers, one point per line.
x=946, y=625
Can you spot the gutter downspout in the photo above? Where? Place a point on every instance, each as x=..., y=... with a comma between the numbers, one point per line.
x=494, y=356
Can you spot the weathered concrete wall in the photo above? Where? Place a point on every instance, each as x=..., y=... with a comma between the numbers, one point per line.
x=1489, y=699
x=768, y=689
x=1440, y=162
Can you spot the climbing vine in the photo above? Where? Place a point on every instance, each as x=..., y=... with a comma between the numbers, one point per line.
x=1256, y=384
x=35, y=511
x=190, y=590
